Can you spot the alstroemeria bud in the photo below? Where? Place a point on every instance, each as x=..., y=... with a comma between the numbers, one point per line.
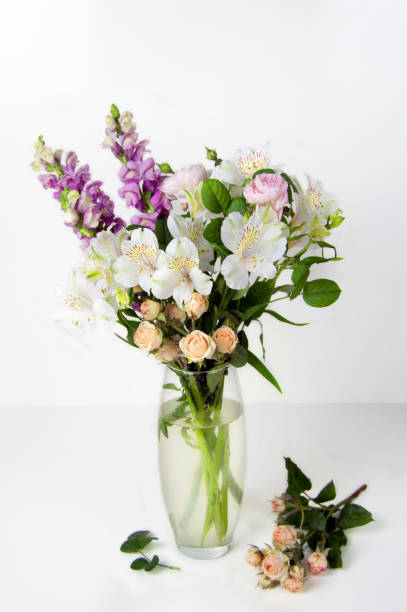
x=150, y=309
x=122, y=298
x=277, y=505
x=254, y=556
x=110, y=123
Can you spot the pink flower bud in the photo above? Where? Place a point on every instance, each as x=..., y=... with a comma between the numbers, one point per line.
x=293, y=585
x=148, y=337
x=150, y=309
x=297, y=572
x=277, y=505
x=317, y=563
x=168, y=351
x=173, y=313
x=254, y=556
x=225, y=339
x=284, y=536
x=196, y=305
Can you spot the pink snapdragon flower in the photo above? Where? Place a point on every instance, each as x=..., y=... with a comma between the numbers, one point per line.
x=268, y=190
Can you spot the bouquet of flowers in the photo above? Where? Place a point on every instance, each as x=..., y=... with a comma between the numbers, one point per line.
x=199, y=260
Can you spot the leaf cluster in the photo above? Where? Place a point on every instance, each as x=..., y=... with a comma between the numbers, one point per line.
x=135, y=543
x=323, y=525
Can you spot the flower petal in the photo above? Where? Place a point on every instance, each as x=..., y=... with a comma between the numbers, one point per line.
x=231, y=230
x=236, y=275
x=183, y=291
x=182, y=247
x=164, y=282
x=201, y=282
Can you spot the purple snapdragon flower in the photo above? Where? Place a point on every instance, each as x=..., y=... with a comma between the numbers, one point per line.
x=142, y=178
x=88, y=208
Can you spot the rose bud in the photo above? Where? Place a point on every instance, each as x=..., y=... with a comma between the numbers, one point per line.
x=284, y=536
x=197, y=346
x=297, y=572
x=196, y=305
x=317, y=563
x=173, y=313
x=275, y=565
x=150, y=309
x=254, y=556
x=277, y=505
x=225, y=339
x=168, y=351
x=264, y=582
x=148, y=337
x=293, y=585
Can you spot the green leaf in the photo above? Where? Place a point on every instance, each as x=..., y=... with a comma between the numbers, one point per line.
x=338, y=538
x=163, y=233
x=315, y=519
x=299, y=277
x=283, y=319
x=212, y=232
x=289, y=181
x=326, y=494
x=139, y=564
x=215, y=379
x=137, y=541
x=239, y=357
x=261, y=368
x=321, y=293
x=309, y=261
x=162, y=427
x=294, y=518
x=131, y=313
x=165, y=168
x=215, y=196
x=171, y=386
x=284, y=289
x=354, y=515
x=243, y=339
x=324, y=245
x=259, y=293
x=298, y=482
x=152, y=564
x=263, y=171
x=237, y=205
x=254, y=311
x=134, y=226
x=238, y=294
x=334, y=557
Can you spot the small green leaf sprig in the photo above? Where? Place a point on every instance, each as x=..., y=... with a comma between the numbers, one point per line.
x=135, y=543
x=310, y=532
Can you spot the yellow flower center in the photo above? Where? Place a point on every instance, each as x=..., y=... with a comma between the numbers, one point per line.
x=140, y=252
x=248, y=164
x=249, y=238
x=314, y=198
x=182, y=263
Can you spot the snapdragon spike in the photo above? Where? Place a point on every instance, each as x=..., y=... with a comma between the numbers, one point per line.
x=141, y=177
x=88, y=209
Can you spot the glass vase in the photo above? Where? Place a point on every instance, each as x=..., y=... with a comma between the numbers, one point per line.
x=202, y=456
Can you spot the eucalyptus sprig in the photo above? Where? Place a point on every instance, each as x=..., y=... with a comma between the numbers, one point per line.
x=135, y=543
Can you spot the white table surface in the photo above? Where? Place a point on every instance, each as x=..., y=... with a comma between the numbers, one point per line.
x=74, y=482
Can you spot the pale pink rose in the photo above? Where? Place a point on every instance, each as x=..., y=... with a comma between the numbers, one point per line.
x=297, y=572
x=173, y=313
x=254, y=556
x=197, y=346
x=168, y=351
x=225, y=339
x=196, y=305
x=150, y=309
x=268, y=190
x=285, y=536
x=277, y=505
x=275, y=565
x=148, y=337
x=293, y=585
x=189, y=178
x=317, y=563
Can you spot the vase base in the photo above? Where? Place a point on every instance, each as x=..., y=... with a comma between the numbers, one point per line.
x=197, y=552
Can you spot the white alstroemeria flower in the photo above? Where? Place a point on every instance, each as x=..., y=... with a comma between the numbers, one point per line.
x=84, y=309
x=179, y=274
x=193, y=229
x=314, y=202
x=139, y=261
x=244, y=163
x=255, y=248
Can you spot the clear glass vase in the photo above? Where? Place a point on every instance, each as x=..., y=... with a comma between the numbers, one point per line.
x=202, y=455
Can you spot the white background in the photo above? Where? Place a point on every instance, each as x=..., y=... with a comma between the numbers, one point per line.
x=325, y=82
